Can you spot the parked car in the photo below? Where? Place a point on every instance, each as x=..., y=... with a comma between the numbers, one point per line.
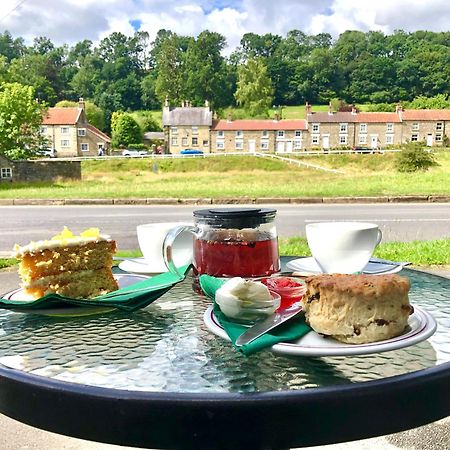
x=47, y=153
x=191, y=151
x=130, y=152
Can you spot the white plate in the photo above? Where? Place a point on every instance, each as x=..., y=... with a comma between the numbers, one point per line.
x=141, y=265
x=123, y=280
x=421, y=326
x=309, y=266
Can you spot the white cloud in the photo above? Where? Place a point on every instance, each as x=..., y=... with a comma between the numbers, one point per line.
x=70, y=21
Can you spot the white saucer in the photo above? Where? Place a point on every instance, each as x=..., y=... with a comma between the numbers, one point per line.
x=309, y=266
x=421, y=326
x=141, y=265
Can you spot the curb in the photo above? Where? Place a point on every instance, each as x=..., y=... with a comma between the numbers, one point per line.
x=225, y=200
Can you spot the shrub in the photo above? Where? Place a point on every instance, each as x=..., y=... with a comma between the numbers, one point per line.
x=414, y=157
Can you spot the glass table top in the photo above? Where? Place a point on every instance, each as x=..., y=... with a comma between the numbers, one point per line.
x=166, y=347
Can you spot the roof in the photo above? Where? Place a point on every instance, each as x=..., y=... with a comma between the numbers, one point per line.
x=336, y=117
x=378, y=117
x=255, y=125
x=98, y=133
x=426, y=114
x=154, y=135
x=191, y=116
x=62, y=116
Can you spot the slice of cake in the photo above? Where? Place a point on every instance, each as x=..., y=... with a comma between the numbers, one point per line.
x=357, y=309
x=69, y=265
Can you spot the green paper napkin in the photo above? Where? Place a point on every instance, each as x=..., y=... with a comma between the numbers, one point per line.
x=290, y=330
x=128, y=298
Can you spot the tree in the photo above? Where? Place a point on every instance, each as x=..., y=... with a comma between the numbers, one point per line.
x=254, y=91
x=125, y=130
x=20, y=119
x=94, y=114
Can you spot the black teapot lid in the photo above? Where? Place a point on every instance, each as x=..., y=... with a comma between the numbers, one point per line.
x=235, y=217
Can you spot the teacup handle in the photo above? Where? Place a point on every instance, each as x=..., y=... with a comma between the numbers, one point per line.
x=379, y=236
x=168, y=245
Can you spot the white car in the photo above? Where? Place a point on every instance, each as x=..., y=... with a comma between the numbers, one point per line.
x=129, y=152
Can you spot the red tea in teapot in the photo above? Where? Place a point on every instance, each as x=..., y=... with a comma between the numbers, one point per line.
x=232, y=257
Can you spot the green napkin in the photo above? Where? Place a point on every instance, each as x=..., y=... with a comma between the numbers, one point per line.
x=290, y=330
x=129, y=298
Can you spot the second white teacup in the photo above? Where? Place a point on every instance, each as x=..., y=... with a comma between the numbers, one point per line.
x=342, y=247
x=151, y=237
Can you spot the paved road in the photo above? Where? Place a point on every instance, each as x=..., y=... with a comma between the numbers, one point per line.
x=399, y=222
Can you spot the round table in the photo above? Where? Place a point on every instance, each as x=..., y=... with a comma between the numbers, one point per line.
x=157, y=378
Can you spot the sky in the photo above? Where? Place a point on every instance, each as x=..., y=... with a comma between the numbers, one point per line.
x=70, y=21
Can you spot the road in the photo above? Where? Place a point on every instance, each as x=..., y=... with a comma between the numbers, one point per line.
x=398, y=222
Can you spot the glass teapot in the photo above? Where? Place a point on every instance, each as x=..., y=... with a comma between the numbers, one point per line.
x=230, y=242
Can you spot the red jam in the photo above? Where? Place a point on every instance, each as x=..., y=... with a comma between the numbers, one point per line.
x=290, y=290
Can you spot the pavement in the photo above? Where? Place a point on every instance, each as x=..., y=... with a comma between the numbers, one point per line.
x=18, y=436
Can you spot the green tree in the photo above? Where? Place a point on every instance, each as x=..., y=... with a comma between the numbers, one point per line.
x=125, y=130
x=439, y=101
x=20, y=119
x=94, y=114
x=414, y=158
x=254, y=88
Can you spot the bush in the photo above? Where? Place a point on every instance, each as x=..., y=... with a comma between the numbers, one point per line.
x=414, y=157
x=137, y=147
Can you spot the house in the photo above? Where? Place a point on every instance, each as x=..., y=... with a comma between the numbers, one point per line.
x=6, y=169
x=69, y=134
x=187, y=127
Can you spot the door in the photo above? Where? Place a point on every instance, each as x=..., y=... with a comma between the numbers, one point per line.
x=252, y=146
x=289, y=147
x=429, y=140
x=326, y=142
x=280, y=147
x=374, y=141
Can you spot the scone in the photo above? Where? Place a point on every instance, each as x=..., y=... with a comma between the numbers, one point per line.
x=357, y=309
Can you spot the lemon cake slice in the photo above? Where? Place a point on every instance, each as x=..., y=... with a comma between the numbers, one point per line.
x=69, y=265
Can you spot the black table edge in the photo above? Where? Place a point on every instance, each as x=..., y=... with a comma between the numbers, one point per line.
x=279, y=419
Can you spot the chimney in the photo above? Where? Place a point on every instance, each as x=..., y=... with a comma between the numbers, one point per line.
x=277, y=117
x=166, y=101
x=353, y=109
x=398, y=108
x=308, y=109
x=81, y=103
x=229, y=117
x=206, y=104
x=330, y=109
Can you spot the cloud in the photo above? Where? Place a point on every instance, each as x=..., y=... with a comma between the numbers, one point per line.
x=70, y=21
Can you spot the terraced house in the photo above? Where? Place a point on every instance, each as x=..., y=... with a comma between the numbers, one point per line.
x=69, y=134
x=188, y=127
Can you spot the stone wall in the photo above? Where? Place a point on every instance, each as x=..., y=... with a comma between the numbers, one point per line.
x=48, y=170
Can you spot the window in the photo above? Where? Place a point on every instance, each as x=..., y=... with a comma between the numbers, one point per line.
x=84, y=147
x=438, y=137
x=239, y=134
x=265, y=145
x=389, y=128
x=315, y=127
x=238, y=145
x=362, y=139
x=280, y=134
x=297, y=144
x=220, y=134
x=414, y=137
x=65, y=143
x=439, y=126
x=174, y=141
x=174, y=130
x=343, y=128
x=184, y=142
x=6, y=172
x=64, y=130
x=194, y=130
x=343, y=139
x=389, y=139
x=264, y=134
x=195, y=141
x=298, y=133
x=363, y=127
x=415, y=126
x=315, y=139
x=205, y=142
x=43, y=130
x=220, y=145
x=81, y=131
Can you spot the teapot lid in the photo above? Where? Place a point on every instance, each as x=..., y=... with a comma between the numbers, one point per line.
x=235, y=217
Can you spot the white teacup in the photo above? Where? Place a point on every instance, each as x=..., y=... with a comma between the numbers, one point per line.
x=151, y=237
x=342, y=247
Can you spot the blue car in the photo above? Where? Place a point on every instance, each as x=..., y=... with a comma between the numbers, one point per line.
x=191, y=151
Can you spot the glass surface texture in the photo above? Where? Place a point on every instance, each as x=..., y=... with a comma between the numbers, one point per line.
x=167, y=348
